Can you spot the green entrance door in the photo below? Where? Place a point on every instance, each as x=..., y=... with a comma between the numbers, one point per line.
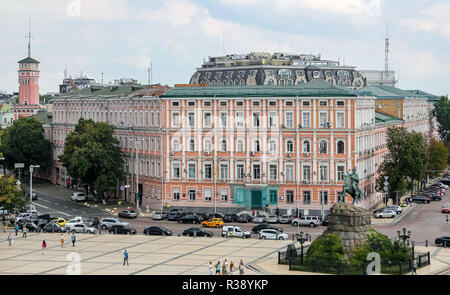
x=256, y=199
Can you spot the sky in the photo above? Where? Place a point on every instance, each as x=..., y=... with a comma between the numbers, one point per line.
x=121, y=38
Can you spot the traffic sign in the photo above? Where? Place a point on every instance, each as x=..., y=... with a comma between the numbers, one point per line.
x=19, y=165
x=386, y=183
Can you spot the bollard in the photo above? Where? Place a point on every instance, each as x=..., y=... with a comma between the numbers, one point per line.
x=426, y=243
x=195, y=234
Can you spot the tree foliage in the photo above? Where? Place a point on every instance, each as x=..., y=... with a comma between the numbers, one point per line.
x=326, y=250
x=442, y=113
x=92, y=156
x=24, y=142
x=438, y=156
x=407, y=159
x=10, y=196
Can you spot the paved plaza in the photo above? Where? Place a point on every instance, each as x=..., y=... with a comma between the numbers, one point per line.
x=148, y=255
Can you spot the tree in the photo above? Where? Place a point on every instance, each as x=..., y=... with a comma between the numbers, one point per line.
x=10, y=196
x=92, y=156
x=438, y=157
x=327, y=250
x=407, y=159
x=442, y=113
x=24, y=142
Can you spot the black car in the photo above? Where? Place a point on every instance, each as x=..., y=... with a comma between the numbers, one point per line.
x=32, y=227
x=244, y=218
x=157, y=231
x=198, y=232
x=420, y=199
x=128, y=214
x=41, y=223
x=122, y=229
x=444, y=241
x=190, y=219
x=433, y=196
x=174, y=215
x=261, y=226
x=213, y=215
x=230, y=217
x=53, y=228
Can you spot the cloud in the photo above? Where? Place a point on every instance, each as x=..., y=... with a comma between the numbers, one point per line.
x=432, y=20
x=175, y=13
x=138, y=62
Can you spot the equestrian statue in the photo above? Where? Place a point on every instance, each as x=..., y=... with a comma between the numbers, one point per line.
x=351, y=187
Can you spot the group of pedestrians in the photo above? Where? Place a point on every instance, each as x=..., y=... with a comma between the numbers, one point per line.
x=226, y=268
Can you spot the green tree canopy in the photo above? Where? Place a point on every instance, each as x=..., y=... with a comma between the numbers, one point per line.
x=326, y=250
x=10, y=196
x=92, y=156
x=24, y=142
x=438, y=156
x=442, y=113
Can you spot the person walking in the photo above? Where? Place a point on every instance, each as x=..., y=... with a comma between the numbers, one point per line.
x=414, y=266
x=10, y=238
x=231, y=267
x=24, y=232
x=74, y=239
x=61, y=239
x=241, y=267
x=446, y=219
x=125, y=257
x=16, y=228
x=44, y=246
x=217, y=268
x=4, y=222
x=224, y=267
x=211, y=268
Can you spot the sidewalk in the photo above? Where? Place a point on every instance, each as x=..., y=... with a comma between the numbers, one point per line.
x=58, y=191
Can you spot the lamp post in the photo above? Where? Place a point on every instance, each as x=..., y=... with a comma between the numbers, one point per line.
x=302, y=240
x=137, y=175
x=321, y=173
x=31, y=184
x=405, y=236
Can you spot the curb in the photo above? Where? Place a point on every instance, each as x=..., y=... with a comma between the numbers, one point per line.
x=400, y=218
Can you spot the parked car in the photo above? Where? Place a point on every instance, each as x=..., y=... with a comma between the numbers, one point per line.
x=92, y=222
x=40, y=223
x=128, y=214
x=59, y=221
x=230, y=217
x=386, y=214
x=213, y=222
x=443, y=241
x=31, y=208
x=174, y=215
x=285, y=219
x=397, y=209
x=272, y=234
x=22, y=218
x=272, y=219
x=3, y=212
x=446, y=208
x=157, y=231
x=189, y=219
x=32, y=227
x=198, y=232
x=432, y=196
x=244, y=218
x=420, y=199
x=235, y=231
x=259, y=219
x=79, y=228
x=311, y=221
x=214, y=215
x=107, y=223
x=79, y=197
x=179, y=210
x=53, y=228
x=34, y=196
x=262, y=226
x=159, y=215
x=123, y=229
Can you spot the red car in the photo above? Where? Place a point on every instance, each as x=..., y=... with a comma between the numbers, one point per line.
x=446, y=208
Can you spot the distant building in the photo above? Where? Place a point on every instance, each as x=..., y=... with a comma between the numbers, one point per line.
x=126, y=81
x=74, y=84
x=277, y=69
x=375, y=77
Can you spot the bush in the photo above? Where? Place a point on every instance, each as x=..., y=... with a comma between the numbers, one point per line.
x=326, y=250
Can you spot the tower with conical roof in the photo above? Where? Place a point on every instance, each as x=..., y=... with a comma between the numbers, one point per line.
x=28, y=85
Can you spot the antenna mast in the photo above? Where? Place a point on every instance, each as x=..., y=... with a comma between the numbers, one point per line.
x=386, y=53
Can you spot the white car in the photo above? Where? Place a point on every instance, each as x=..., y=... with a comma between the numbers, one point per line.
x=79, y=228
x=235, y=231
x=74, y=221
x=386, y=214
x=259, y=219
x=79, y=197
x=397, y=209
x=272, y=234
x=159, y=215
x=272, y=219
x=33, y=209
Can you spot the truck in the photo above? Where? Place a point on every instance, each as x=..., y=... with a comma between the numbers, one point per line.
x=235, y=231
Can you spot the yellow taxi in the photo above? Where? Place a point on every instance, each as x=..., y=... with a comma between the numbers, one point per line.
x=213, y=222
x=59, y=221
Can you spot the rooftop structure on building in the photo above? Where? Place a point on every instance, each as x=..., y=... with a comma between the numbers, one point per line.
x=73, y=84
x=278, y=69
x=126, y=81
x=376, y=77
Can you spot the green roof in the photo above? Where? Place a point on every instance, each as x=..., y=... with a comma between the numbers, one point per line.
x=384, y=91
x=318, y=88
x=28, y=60
x=43, y=116
x=423, y=94
x=383, y=119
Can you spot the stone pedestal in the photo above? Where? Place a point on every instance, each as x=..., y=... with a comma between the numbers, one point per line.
x=351, y=224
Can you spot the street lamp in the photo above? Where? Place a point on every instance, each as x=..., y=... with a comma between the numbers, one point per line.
x=31, y=183
x=302, y=240
x=322, y=150
x=405, y=236
x=137, y=175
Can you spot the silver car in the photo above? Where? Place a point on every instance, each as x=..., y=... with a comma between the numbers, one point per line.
x=159, y=215
x=285, y=219
x=107, y=223
x=80, y=228
x=272, y=219
x=259, y=219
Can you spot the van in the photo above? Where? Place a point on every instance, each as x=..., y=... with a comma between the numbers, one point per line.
x=311, y=221
x=234, y=231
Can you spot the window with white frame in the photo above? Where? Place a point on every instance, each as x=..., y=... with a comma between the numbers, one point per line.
x=272, y=119
x=176, y=145
x=223, y=119
x=340, y=120
x=306, y=119
x=240, y=171
x=224, y=195
x=208, y=194
x=323, y=172
x=306, y=172
x=175, y=170
x=289, y=146
x=239, y=119
x=256, y=120
x=208, y=171
x=191, y=194
x=192, y=145
x=306, y=197
x=224, y=171
x=191, y=170
x=223, y=145
x=191, y=119
x=256, y=171
x=207, y=122
x=289, y=119
x=340, y=147
x=273, y=173
x=240, y=146
x=340, y=169
x=176, y=194
x=324, y=197
x=207, y=145
x=323, y=147
x=323, y=119
x=272, y=146
x=289, y=171
x=306, y=146
x=256, y=146
x=175, y=119
x=290, y=197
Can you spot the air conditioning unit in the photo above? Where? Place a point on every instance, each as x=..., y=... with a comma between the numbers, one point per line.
x=288, y=155
x=172, y=153
x=252, y=153
x=299, y=125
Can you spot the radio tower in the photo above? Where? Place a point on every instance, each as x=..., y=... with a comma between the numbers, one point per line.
x=386, y=53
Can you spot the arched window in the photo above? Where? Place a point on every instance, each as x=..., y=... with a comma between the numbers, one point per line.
x=223, y=145
x=340, y=147
x=290, y=146
x=256, y=146
x=240, y=146
x=281, y=82
x=242, y=82
x=289, y=82
x=323, y=147
x=191, y=145
x=306, y=146
x=176, y=145
x=270, y=82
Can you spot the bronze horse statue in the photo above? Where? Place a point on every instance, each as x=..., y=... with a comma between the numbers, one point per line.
x=351, y=187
